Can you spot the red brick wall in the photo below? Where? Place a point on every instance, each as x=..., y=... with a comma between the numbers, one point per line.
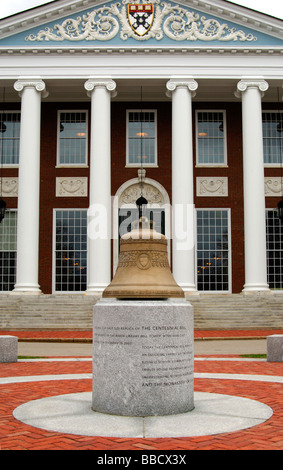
x=48, y=199
x=120, y=174
x=162, y=174
x=234, y=172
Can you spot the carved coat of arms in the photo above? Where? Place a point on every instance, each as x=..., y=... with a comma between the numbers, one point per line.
x=140, y=17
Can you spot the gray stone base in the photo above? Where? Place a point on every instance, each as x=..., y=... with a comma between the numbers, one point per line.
x=213, y=414
x=143, y=357
x=8, y=348
x=275, y=348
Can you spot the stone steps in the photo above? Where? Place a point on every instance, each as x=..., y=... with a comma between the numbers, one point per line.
x=238, y=311
x=70, y=312
x=74, y=312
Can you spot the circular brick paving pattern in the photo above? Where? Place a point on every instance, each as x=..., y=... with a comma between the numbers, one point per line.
x=15, y=435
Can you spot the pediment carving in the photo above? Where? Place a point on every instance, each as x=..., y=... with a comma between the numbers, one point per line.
x=141, y=21
x=131, y=194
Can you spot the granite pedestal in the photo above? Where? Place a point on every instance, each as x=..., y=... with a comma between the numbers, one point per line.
x=275, y=348
x=143, y=357
x=8, y=348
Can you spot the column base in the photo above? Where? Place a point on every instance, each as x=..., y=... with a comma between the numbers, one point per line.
x=189, y=289
x=96, y=289
x=256, y=289
x=26, y=289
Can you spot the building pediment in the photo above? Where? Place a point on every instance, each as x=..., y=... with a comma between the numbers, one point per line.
x=131, y=23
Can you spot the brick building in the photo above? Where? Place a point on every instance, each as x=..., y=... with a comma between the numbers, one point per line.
x=181, y=99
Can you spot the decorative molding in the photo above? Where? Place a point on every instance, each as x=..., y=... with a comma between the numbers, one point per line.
x=107, y=83
x=212, y=186
x=246, y=83
x=131, y=194
x=117, y=49
x=189, y=83
x=35, y=83
x=273, y=186
x=71, y=186
x=143, y=260
x=9, y=187
x=156, y=19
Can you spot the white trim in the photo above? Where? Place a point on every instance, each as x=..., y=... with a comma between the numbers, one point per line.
x=273, y=289
x=142, y=50
x=272, y=165
x=138, y=165
x=54, y=250
x=143, y=66
x=229, y=291
x=214, y=164
x=7, y=111
x=71, y=165
x=14, y=251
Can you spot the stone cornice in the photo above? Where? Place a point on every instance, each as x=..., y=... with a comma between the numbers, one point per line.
x=192, y=49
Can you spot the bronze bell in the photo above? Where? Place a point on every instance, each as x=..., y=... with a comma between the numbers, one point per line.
x=143, y=270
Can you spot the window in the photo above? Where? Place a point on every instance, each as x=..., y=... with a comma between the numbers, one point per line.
x=8, y=251
x=274, y=250
x=70, y=250
x=10, y=137
x=211, y=138
x=141, y=138
x=72, y=138
x=213, y=250
x=272, y=127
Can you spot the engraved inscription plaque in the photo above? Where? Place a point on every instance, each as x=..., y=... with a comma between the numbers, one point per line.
x=143, y=357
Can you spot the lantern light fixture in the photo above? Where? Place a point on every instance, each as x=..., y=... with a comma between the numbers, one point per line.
x=3, y=206
x=280, y=210
x=141, y=203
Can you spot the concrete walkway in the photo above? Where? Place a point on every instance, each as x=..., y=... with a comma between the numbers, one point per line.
x=202, y=347
x=78, y=343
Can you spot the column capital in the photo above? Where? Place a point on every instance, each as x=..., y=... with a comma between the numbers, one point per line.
x=103, y=82
x=37, y=83
x=246, y=83
x=182, y=82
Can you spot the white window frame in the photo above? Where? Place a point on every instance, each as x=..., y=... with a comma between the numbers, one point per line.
x=274, y=289
x=279, y=164
x=54, y=252
x=71, y=165
x=229, y=290
x=12, y=165
x=214, y=164
x=14, y=251
x=143, y=164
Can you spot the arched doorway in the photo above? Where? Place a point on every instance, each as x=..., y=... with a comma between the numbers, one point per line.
x=125, y=210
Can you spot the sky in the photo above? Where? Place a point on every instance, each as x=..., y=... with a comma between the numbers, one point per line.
x=270, y=7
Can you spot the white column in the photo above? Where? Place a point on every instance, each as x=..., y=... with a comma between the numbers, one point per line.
x=254, y=194
x=183, y=219
x=99, y=213
x=30, y=91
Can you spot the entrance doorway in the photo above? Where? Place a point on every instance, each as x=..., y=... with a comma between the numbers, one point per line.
x=125, y=212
